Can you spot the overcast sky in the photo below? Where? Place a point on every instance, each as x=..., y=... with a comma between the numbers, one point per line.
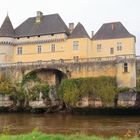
x=91, y=13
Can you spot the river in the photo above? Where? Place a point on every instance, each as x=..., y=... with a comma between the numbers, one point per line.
x=70, y=124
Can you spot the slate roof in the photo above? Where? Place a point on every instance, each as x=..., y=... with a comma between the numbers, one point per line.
x=111, y=31
x=79, y=32
x=50, y=24
x=6, y=29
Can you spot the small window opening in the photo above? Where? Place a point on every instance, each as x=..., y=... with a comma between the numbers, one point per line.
x=125, y=67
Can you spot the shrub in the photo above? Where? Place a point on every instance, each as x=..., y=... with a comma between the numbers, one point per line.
x=32, y=76
x=41, y=87
x=71, y=90
x=124, y=89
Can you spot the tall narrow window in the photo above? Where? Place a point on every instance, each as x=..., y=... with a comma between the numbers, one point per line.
x=111, y=50
x=125, y=65
x=39, y=49
x=19, y=50
x=53, y=48
x=75, y=45
x=119, y=46
x=99, y=47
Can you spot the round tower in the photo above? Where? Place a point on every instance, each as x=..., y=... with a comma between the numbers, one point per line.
x=6, y=41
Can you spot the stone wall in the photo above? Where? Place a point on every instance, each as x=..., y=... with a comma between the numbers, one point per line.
x=112, y=68
x=5, y=101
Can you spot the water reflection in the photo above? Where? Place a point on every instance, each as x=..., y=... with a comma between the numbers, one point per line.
x=69, y=124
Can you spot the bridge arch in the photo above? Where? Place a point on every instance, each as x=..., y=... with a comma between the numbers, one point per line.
x=50, y=75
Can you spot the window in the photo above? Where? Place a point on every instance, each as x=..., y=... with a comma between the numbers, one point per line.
x=39, y=49
x=119, y=46
x=53, y=48
x=99, y=47
x=19, y=50
x=125, y=65
x=76, y=58
x=111, y=50
x=75, y=45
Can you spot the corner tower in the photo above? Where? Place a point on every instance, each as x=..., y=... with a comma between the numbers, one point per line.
x=113, y=40
x=6, y=41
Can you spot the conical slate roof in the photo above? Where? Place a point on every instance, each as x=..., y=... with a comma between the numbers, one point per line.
x=79, y=32
x=6, y=29
x=111, y=31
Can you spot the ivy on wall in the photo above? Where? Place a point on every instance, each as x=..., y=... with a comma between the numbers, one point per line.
x=72, y=90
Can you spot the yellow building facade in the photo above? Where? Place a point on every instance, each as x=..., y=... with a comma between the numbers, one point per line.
x=47, y=38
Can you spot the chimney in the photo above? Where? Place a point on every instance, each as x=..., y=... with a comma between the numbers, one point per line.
x=71, y=27
x=92, y=34
x=113, y=26
x=39, y=16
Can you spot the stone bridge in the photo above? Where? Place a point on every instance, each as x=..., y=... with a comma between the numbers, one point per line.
x=55, y=70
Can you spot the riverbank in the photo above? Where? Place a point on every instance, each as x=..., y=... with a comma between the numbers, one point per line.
x=40, y=136
x=107, y=111
x=76, y=111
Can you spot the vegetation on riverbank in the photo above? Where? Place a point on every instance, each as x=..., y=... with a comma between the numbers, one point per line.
x=72, y=90
x=28, y=89
x=40, y=136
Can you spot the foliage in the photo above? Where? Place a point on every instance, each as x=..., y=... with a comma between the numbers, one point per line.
x=28, y=89
x=18, y=92
x=71, y=90
x=5, y=87
x=40, y=136
x=40, y=87
x=124, y=89
x=32, y=76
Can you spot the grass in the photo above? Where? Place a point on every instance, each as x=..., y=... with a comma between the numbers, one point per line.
x=35, y=135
